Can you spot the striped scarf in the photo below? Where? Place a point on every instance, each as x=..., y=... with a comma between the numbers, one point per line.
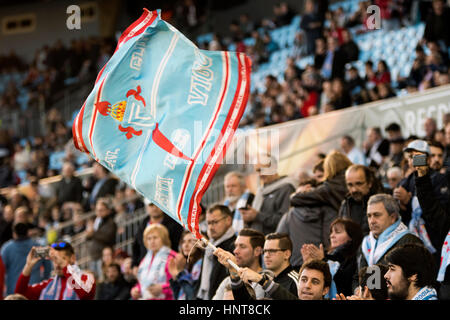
x=417, y=225
x=426, y=293
x=152, y=270
x=445, y=258
x=53, y=290
x=373, y=249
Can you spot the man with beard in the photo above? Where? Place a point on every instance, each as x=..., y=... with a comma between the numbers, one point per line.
x=236, y=197
x=411, y=273
x=436, y=155
x=247, y=254
x=361, y=183
x=407, y=195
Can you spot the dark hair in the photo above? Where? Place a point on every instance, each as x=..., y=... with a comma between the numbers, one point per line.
x=311, y=182
x=318, y=265
x=370, y=175
x=414, y=259
x=319, y=166
x=68, y=249
x=223, y=209
x=366, y=273
x=21, y=230
x=284, y=243
x=349, y=139
x=256, y=237
x=393, y=127
x=436, y=144
x=354, y=231
x=116, y=266
x=195, y=255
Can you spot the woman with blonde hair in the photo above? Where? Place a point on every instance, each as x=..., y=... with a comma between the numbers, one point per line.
x=153, y=273
x=314, y=209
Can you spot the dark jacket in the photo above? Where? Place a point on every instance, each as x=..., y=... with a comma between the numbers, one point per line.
x=138, y=248
x=104, y=236
x=356, y=211
x=435, y=215
x=330, y=193
x=288, y=278
x=383, y=150
x=275, y=204
x=107, y=188
x=437, y=27
x=361, y=260
x=439, y=186
x=350, y=50
x=119, y=290
x=218, y=271
x=69, y=190
x=306, y=225
x=347, y=268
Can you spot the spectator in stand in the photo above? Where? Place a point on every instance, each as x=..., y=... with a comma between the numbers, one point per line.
x=372, y=285
x=362, y=184
x=14, y=254
x=387, y=232
x=105, y=185
x=70, y=187
x=6, y=224
x=302, y=225
x=107, y=260
x=430, y=128
x=345, y=239
x=311, y=25
x=437, y=156
x=185, y=268
x=56, y=288
x=236, y=197
x=394, y=175
x=248, y=249
x=114, y=287
x=101, y=233
x=313, y=284
x=271, y=199
x=153, y=272
x=320, y=53
x=436, y=27
x=222, y=235
x=334, y=62
x=437, y=219
x=353, y=153
x=341, y=98
x=411, y=273
x=155, y=216
x=376, y=147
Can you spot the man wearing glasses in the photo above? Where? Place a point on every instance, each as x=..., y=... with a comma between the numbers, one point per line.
x=67, y=284
x=361, y=184
x=222, y=235
x=277, y=252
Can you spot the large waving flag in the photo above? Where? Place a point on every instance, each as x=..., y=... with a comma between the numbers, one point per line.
x=162, y=113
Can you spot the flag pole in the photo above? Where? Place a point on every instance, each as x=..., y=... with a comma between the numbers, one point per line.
x=209, y=244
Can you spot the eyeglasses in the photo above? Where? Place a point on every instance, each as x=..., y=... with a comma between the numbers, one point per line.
x=272, y=251
x=214, y=222
x=59, y=245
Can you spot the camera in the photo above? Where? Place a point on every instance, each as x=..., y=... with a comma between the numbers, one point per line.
x=420, y=160
x=41, y=252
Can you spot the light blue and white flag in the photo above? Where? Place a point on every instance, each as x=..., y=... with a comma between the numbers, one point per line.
x=162, y=113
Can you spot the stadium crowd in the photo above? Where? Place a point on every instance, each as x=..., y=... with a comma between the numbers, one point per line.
x=361, y=209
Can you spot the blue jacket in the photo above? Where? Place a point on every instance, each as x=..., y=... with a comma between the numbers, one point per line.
x=14, y=255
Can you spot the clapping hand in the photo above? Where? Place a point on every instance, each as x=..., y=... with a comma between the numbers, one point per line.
x=310, y=251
